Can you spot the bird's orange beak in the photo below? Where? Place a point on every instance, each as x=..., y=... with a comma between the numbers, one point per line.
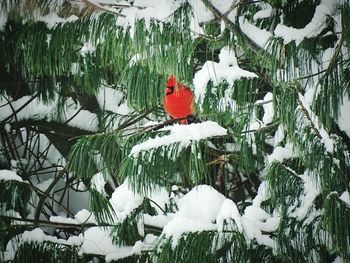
x=169, y=90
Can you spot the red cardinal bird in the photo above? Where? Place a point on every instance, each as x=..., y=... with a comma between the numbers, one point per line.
x=178, y=100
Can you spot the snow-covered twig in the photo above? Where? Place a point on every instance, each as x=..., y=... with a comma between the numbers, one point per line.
x=103, y=8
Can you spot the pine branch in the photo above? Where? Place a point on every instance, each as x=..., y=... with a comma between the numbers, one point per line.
x=121, y=127
x=40, y=222
x=112, y=4
x=334, y=59
x=333, y=63
x=68, y=225
x=267, y=127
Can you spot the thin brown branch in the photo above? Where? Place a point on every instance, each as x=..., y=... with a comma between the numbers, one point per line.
x=231, y=26
x=78, y=226
x=307, y=114
x=332, y=63
x=47, y=223
x=46, y=193
x=267, y=127
x=103, y=8
x=18, y=110
x=334, y=59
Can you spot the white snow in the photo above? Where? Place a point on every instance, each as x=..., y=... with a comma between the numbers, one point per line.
x=158, y=220
x=262, y=194
x=312, y=189
x=344, y=116
x=113, y=100
x=64, y=220
x=52, y=19
x=203, y=206
x=325, y=139
x=98, y=183
x=227, y=69
x=87, y=48
x=8, y=175
x=264, y=13
x=255, y=220
x=252, y=231
x=312, y=29
x=228, y=210
x=338, y=260
x=123, y=252
x=3, y=19
x=124, y=201
x=183, y=134
x=161, y=10
x=268, y=108
x=37, y=110
x=37, y=235
x=281, y=153
x=159, y=198
x=223, y=6
x=85, y=217
x=203, y=203
x=279, y=135
x=201, y=13
x=257, y=35
x=109, y=99
x=181, y=225
x=345, y=197
x=97, y=241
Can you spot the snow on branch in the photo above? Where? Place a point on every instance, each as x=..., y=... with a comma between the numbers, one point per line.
x=259, y=36
x=227, y=69
x=205, y=209
x=181, y=133
x=312, y=29
x=8, y=175
x=32, y=108
x=320, y=131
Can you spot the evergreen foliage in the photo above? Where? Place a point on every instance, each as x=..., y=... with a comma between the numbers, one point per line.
x=283, y=167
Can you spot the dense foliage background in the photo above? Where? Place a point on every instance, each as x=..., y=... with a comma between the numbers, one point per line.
x=92, y=169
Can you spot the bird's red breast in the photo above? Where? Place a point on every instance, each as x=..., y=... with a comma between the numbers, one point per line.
x=178, y=100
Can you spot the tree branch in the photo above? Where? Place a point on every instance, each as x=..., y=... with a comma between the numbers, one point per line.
x=103, y=8
x=18, y=110
x=231, y=26
x=46, y=193
x=307, y=114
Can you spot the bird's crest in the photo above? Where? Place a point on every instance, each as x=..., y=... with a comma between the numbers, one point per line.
x=171, y=81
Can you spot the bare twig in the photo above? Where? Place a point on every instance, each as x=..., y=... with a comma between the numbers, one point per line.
x=46, y=194
x=307, y=114
x=231, y=26
x=18, y=110
x=103, y=8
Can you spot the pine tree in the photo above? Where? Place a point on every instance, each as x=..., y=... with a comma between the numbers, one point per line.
x=89, y=157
